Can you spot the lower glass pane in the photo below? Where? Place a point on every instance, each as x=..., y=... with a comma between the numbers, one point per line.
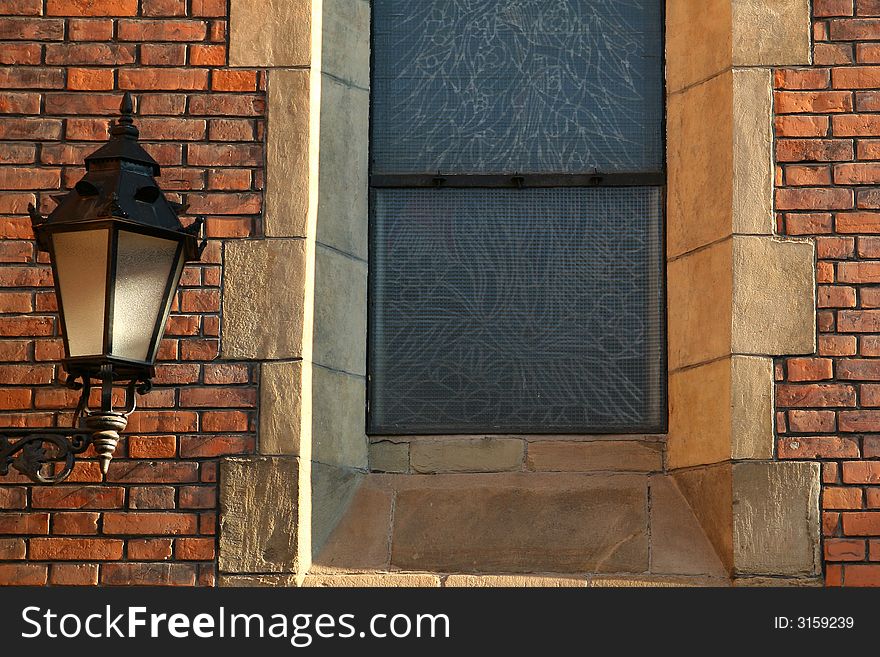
x=517, y=310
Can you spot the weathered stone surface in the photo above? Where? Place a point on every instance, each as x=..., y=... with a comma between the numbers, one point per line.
x=771, y=32
x=698, y=40
x=288, y=156
x=263, y=299
x=387, y=456
x=776, y=582
x=678, y=544
x=280, y=407
x=655, y=582
x=774, y=310
x=699, y=415
x=585, y=456
x=373, y=580
x=466, y=455
x=332, y=490
x=340, y=332
x=256, y=581
x=776, y=518
x=752, y=152
x=751, y=392
x=709, y=492
x=700, y=305
x=270, y=33
x=345, y=44
x=700, y=163
x=487, y=581
x=338, y=436
x=362, y=539
x=518, y=522
x=343, y=194
x=258, y=512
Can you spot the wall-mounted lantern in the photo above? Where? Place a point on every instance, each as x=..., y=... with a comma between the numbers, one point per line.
x=117, y=249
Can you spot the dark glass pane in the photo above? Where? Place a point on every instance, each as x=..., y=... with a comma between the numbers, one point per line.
x=503, y=310
x=514, y=86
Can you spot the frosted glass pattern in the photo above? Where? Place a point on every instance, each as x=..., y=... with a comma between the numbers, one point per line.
x=533, y=310
x=143, y=267
x=81, y=263
x=513, y=86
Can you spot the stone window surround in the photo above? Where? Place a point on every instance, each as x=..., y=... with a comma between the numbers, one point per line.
x=737, y=294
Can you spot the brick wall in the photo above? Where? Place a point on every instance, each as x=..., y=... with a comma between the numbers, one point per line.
x=63, y=67
x=828, y=186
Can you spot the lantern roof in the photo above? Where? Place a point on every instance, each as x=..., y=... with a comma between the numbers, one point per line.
x=119, y=185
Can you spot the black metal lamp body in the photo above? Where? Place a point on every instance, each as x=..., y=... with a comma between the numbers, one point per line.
x=117, y=249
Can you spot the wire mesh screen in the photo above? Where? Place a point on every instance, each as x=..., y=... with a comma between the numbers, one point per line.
x=506, y=86
x=505, y=310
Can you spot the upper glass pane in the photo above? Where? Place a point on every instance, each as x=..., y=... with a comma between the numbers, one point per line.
x=143, y=266
x=81, y=264
x=517, y=86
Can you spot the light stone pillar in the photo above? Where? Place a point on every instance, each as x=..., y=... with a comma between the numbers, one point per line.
x=296, y=300
x=737, y=293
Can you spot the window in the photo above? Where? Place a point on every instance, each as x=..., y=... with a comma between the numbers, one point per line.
x=516, y=260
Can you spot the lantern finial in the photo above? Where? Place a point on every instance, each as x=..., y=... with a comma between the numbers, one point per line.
x=124, y=126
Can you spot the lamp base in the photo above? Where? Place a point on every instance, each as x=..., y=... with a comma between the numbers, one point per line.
x=105, y=429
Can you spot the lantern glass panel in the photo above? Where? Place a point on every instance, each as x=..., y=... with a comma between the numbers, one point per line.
x=81, y=268
x=144, y=265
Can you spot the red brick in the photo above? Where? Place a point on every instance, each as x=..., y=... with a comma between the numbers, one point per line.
x=233, y=80
x=151, y=497
x=168, y=30
x=235, y=155
x=867, y=8
x=150, y=549
x=217, y=445
x=814, y=150
x=809, y=369
x=859, y=321
x=148, y=574
x=807, y=175
x=862, y=472
x=229, y=179
x=224, y=421
x=171, y=79
x=24, y=523
x=808, y=224
x=801, y=126
x=21, y=7
x=75, y=549
x=871, y=446
x=856, y=77
x=199, y=349
x=89, y=29
x=811, y=421
x=163, y=54
x=172, y=129
x=30, y=129
x=89, y=78
x=844, y=549
x=840, y=497
x=22, y=574
x=149, y=472
x=78, y=497
x=835, y=248
x=152, y=447
x=78, y=524
x=830, y=472
x=802, y=78
x=872, y=496
x=815, y=395
x=21, y=53
x=825, y=54
x=90, y=53
x=227, y=105
x=208, y=524
x=861, y=575
x=173, y=104
x=164, y=7
x=217, y=31
x=12, y=498
x=158, y=523
x=861, y=523
x=198, y=497
x=809, y=198
x=207, y=55
x=812, y=447
x=19, y=103
x=161, y=421
x=194, y=549
x=14, y=398
x=217, y=397
x=816, y=102
x=211, y=8
x=91, y=7
x=69, y=574
x=31, y=29
x=12, y=549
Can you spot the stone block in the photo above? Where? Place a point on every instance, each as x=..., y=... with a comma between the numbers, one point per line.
x=258, y=513
x=332, y=490
x=373, y=580
x=771, y=32
x=466, y=455
x=263, y=299
x=280, y=407
x=338, y=407
x=594, y=455
x=388, y=456
x=709, y=492
x=752, y=152
x=340, y=329
x=698, y=41
x=345, y=42
x=508, y=581
x=776, y=518
x=270, y=33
